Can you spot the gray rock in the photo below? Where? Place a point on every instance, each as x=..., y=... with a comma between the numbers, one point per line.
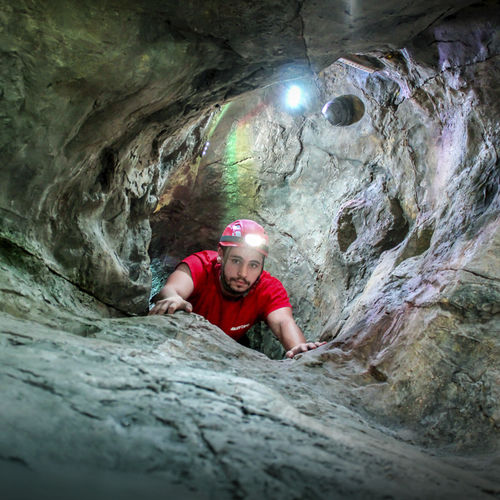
x=171, y=404
x=89, y=95
x=366, y=218
x=385, y=233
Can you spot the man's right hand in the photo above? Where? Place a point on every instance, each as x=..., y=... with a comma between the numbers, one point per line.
x=170, y=305
x=170, y=298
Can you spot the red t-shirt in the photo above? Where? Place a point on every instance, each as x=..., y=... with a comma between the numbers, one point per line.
x=233, y=316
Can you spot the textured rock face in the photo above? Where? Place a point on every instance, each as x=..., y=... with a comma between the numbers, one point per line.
x=90, y=92
x=95, y=407
x=385, y=233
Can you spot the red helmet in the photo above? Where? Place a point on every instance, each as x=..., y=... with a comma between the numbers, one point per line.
x=245, y=233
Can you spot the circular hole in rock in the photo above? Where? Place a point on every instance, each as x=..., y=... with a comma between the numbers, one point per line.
x=344, y=110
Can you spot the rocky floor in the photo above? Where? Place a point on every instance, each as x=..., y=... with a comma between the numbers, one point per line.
x=171, y=407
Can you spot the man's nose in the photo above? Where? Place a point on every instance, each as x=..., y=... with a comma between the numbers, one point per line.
x=243, y=270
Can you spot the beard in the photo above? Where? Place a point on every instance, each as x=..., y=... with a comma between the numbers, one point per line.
x=227, y=285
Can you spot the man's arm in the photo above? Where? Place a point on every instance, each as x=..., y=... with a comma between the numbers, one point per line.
x=288, y=333
x=172, y=297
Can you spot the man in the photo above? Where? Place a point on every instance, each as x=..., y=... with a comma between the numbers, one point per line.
x=231, y=289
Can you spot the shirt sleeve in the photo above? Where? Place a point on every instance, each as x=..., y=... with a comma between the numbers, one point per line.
x=275, y=297
x=197, y=265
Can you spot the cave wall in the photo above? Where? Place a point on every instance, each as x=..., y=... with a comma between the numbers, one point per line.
x=384, y=232
x=80, y=189
x=90, y=92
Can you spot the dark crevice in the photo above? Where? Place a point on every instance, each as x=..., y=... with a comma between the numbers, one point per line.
x=287, y=175
x=475, y=273
x=243, y=160
x=301, y=20
x=16, y=460
x=41, y=385
x=346, y=232
x=435, y=21
x=108, y=162
x=84, y=413
x=6, y=332
x=397, y=233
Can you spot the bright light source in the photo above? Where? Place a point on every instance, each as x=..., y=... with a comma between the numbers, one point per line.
x=254, y=240
x=293, y=96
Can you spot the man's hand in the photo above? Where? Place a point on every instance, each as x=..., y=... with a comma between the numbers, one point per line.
x=303, y=347
x=289, y=334
x=172, y=297
x=170, y=305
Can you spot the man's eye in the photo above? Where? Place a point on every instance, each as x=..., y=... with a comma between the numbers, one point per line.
x=235, y=261
x=254, y=266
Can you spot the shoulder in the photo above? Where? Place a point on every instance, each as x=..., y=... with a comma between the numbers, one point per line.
x=201, y=265
x=271, y=294
x=205, y=257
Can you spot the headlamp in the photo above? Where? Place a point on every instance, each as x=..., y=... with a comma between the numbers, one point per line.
x=254, y=240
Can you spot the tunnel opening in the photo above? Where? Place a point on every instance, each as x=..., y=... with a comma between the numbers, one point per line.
x=255, y=157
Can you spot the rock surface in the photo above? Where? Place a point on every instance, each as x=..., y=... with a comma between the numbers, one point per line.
x=170, y=406
x=90, y=92
x=385, y=232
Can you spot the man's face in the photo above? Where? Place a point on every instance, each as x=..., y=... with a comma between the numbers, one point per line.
x=242, y=266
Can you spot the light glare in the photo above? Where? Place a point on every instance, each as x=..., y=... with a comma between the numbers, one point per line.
x=293, y=96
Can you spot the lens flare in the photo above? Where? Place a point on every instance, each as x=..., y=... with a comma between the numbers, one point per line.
x=294, y=96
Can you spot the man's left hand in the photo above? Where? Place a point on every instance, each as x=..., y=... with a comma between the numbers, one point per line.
x=304, y=347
